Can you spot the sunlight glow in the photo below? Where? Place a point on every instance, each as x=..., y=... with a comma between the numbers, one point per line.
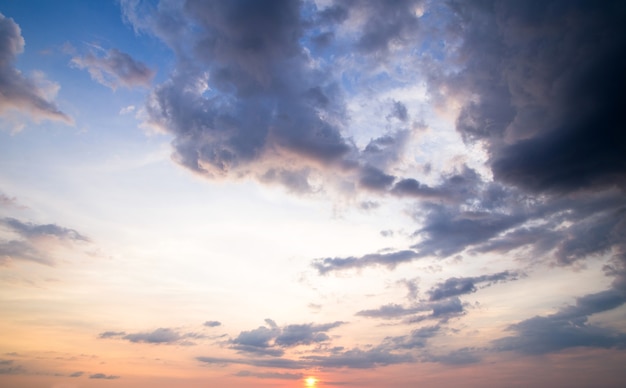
x=311, y=381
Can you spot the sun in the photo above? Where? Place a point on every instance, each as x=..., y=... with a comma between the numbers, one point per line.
x=310, y=381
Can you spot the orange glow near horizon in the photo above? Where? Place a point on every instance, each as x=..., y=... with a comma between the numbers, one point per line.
x=310, y=381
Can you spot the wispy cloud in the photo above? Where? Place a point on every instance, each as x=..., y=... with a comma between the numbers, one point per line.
x=115, y=69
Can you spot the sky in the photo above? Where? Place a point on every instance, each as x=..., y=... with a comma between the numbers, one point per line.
x=312, y=193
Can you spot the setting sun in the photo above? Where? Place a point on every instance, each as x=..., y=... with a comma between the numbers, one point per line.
x=311, y=381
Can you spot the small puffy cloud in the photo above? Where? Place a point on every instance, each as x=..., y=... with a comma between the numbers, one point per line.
x=212, y=323
x=115, y=69
x=20, y=93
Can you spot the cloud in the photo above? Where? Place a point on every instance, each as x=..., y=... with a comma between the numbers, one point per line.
x=352, y=358
x=111, y=334
x=270, y=375
x=389, y=260
x=20, y=93
x=7, y=367
x=29, y=230
x=103, y=376
x=37, y=243
x=273, y=362
x=360, y=359
x=441, y=310
x=212, y=323
x=466, y=285
x=567, y=328
x=115, y=69
x=546, y=91
x=77, y=374
x=273, y=340
x=161, y=335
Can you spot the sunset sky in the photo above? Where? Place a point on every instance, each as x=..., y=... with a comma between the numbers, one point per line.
x=312, y=193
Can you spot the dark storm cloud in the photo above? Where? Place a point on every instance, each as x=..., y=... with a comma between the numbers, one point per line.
x=19, y=92
x=103, y=376
x=466, y=285
x=567, y=328
x=115, y=69
x=273, y=340
x=549, y=81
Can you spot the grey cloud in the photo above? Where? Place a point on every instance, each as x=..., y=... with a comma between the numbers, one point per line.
x=274, y=362
x=567, y=328
x=548, y=85
x=390, y=260
x=466, y=285
x=270, y=375
x=384, y=151
x=103, y=376
x=388, y=23
x=115, y=69
x=30, y=247
x=273, y=340
x=244, y=93
x=440, y=310
x=360, y=359
x=399, y=111
x=19, y=92
x=212, y=323
x=158, y=336
x=8, y=367
x=416, y=339
x=304, y=334
x=21, y=250
x=30, y=230
x=461, y=356
x=374, y=179
x=77, y=374
x=161, y=335
x=111, y=334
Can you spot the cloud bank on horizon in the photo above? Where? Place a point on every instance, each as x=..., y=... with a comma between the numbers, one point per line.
x=498, y=125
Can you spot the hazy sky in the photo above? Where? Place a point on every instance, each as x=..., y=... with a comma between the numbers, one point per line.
x=312, y=193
